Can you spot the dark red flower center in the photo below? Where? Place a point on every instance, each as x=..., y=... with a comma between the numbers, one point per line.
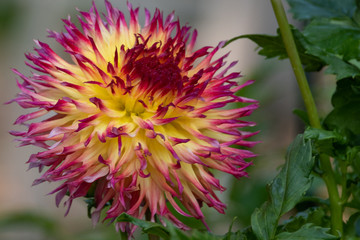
x=158, y=75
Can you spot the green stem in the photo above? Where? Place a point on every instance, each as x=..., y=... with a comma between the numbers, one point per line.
x=344, y=189
x=336, y=206
x=328, y=176
x=124, y=235
x=296, y=63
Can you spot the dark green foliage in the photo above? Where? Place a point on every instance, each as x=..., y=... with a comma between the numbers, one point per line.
x=307, y=232
x=331, y=38
x=240, y=193
x=10, y=12
x=339, y=37
x=352, y=227
x=286, y=189
x=30, y=220
x=345, y=117
x=309, y=9
x=315, y=216
x=146, y=226
x=272, y=46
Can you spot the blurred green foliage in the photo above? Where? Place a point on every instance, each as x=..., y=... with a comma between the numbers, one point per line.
x=10, y=13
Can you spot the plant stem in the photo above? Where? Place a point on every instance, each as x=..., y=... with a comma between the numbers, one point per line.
x=336, y=206
x=124, y=235
x=296, y=63
x=328, y=176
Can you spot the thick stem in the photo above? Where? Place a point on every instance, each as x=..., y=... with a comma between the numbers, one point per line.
x=344, y=191
x=336, y=206
x=292, y=52
x=328, y=176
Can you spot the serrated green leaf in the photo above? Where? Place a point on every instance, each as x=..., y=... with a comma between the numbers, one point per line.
x=336, y=64
x=321, y=134
x=309, y=9
x=146, y=226
x=272, y=46
x=339, y=37
x=286, y=189
x=307, y=232
x=328, y=142
x=336, y=44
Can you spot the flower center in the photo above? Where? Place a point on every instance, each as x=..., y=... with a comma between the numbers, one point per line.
x=158, y=76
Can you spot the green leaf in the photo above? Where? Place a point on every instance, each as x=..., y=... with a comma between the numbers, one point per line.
x=336, y=64
x=355, y=192
x=177, y=234
x=313, y=215
x=353, y=156
x=339, y=37
x=345, y=117
x=272, y=46
x=239, y=235
x=320, y=134
x=347, y=91
x=241, y=191
x=309, y=9
x=197, y=235
x=302, y=115
x=246, y=234
x=229, y=233
x=352, y=226
x=236, y=236
x=336, y=43
x=192, y=222
x=286, y=189
x=146, y=226
x=307, y=232
x=329, y=142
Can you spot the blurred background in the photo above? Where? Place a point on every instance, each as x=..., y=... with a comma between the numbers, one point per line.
x=21, y=21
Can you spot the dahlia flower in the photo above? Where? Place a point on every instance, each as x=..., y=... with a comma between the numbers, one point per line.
x=136, y=119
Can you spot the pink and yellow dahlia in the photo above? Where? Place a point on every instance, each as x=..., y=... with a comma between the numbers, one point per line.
x=137, y=119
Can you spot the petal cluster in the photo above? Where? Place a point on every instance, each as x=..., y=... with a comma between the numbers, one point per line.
x=136, y=119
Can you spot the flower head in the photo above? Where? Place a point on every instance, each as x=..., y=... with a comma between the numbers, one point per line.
x=137, y=119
